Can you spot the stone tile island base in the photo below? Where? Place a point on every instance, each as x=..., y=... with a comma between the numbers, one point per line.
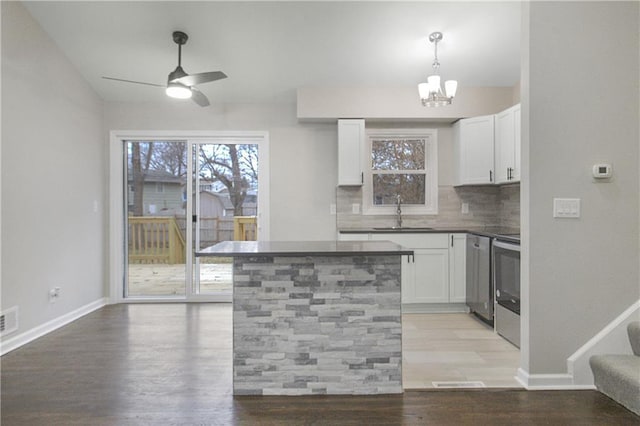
x=317, y=325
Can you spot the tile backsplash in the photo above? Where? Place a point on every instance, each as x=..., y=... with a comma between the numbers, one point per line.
x=488, y=206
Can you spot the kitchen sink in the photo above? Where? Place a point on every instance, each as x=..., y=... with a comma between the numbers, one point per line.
x=403, y=228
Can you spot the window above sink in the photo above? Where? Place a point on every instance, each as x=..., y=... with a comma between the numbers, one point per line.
x=401, y=162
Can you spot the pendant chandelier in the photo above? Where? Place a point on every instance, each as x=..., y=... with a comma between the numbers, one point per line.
x=431, y=93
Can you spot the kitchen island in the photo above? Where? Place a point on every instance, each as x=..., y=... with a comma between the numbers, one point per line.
x=320, y=317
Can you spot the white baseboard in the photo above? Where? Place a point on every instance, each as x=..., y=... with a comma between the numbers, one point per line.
x=15, y=342
x=548, y=381
x=434, y=308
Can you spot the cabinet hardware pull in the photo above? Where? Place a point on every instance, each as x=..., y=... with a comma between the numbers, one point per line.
x=490, y=175
x=362, y=177
x=452, y=241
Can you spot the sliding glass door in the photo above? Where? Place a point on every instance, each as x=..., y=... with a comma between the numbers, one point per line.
x=181, y=196
x=155, y=202
x=226, y=206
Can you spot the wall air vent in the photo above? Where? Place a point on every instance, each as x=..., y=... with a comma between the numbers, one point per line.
x=8, y=321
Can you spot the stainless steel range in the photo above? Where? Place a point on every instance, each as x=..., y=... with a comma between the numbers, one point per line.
x=506, y=282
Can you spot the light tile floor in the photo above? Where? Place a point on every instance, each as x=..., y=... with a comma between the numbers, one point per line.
x=455, y=348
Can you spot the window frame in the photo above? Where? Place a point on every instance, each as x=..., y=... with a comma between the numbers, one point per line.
x=431, y=172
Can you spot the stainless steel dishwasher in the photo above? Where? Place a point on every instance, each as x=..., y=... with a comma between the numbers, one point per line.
x=479, y=288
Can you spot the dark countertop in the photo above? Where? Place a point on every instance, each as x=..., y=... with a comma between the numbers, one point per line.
x=503, y=233
x=303, y=248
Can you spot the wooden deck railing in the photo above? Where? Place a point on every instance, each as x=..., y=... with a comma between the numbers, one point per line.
x=155, y=239
x=245, y=228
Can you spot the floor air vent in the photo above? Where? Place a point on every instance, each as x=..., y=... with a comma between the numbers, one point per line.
x=457, y=385
x=8, y=321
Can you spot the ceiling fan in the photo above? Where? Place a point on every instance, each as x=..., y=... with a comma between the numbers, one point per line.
x=180, y=84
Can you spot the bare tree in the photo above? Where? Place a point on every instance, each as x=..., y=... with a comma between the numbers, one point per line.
x=235, y=166
x=170, y=157
x=141, y=153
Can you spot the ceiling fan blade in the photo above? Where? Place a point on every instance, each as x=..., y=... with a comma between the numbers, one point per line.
x=136, y=82
x=199, y=97
x=203, y=77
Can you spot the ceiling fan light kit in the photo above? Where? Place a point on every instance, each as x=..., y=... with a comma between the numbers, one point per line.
x=178, y=91
x=431, y=94
x=181, y=85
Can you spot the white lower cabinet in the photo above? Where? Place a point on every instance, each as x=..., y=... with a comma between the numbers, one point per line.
x=436, y=274
x=432, y=277
x=458, y=268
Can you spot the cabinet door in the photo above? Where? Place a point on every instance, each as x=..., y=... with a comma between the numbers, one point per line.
x=473, y=147
x=507, y=145
x=350, y=151
x=408, y=280
x=505, y=138
x=516, y=143
x=457, y=268
x=431, y=276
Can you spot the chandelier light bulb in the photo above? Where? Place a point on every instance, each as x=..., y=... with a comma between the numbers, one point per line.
x=450, y=88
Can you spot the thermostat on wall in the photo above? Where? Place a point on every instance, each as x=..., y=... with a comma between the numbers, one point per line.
x=602, y=171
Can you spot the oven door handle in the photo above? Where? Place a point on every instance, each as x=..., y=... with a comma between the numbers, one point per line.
x=506, y=246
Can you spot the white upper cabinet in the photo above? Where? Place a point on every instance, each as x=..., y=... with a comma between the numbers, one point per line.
x=473, y=150
x=351, y=139
x=507, y=145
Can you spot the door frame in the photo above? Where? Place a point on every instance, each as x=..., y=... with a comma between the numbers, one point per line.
x=117, y=185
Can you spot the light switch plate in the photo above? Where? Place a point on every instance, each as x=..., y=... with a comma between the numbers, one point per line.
x=566, y=208
x=332, y=208
x=355, y=208
x=465, y=208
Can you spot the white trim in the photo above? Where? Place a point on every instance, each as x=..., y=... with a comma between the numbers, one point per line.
x=602, y=334
x=613, y=338
x=39, y=331
x=116, y=197
x=548, y=381
x=569, y=380
x=434, y=308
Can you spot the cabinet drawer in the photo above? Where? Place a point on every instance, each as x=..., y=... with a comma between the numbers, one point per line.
x=415, y=241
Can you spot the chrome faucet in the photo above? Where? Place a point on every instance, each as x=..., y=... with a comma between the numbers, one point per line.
x=399, y=212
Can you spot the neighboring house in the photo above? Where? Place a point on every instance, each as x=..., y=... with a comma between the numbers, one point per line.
x=163, y=194
x=219, y=205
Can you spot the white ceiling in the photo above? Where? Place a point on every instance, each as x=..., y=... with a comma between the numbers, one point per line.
x=268, y=49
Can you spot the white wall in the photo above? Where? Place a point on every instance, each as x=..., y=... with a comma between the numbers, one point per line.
x=52, y=174
x=580, y=83
x=303, y=157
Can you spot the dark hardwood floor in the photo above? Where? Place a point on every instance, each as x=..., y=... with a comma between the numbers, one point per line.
x=170, y=364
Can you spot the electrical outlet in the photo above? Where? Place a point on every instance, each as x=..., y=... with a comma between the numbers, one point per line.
x=355, y=208
x=465, y=208
x=54, y=294
x=332, y=208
